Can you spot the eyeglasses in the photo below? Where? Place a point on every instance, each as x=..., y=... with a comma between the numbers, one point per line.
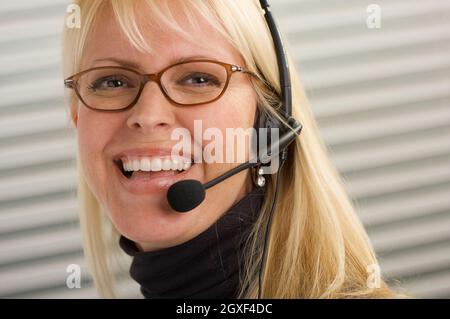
x=188, y=83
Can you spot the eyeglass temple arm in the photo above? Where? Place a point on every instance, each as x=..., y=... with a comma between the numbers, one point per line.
x=236, y=68
x=69, y=83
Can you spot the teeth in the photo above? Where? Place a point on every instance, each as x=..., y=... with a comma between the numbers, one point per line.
x=174, y=164
x=156, y=164
x=145, y=164
x=166, y=164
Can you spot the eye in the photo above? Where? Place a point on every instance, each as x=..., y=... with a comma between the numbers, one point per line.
x=111, y=83
x=199, y=79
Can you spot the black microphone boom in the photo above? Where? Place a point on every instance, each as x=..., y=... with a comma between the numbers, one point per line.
x=185, y=195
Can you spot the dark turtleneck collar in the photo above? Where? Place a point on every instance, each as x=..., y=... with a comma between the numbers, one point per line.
x=206, y=266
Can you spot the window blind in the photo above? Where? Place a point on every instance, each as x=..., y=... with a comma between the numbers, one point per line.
x=381, y=98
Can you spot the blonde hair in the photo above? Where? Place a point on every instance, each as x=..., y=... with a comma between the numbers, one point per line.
x=317, y=247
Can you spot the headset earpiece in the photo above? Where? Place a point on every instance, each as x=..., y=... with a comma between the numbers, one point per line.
x=269, y=122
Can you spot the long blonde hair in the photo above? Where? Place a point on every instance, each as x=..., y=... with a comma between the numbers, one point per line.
x=317, y=247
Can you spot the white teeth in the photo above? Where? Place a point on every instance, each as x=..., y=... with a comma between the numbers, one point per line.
x=145, y=165
x=155, y=164
x=136, y=165
x=166, y=164
x=174, y=164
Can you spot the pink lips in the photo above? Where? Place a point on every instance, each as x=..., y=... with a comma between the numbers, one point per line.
x=141, y=186
x=156, y=183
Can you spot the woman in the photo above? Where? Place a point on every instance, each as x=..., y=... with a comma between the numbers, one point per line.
x=317, y=247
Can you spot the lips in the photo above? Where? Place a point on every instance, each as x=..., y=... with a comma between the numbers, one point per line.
x=142, y=178
x=143, y=183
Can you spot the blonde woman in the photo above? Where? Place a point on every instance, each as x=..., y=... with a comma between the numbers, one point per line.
x=136, y=72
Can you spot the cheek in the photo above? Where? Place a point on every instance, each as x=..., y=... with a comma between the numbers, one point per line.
x=96, y=129
x=237, y=112
x=232, y=111
x=240, y=108
x=93, y=136
x=88, y=123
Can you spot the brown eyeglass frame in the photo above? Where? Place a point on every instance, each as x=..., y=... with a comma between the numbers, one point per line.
x=71, y=82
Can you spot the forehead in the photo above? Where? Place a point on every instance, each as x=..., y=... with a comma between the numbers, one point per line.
x=108, y=40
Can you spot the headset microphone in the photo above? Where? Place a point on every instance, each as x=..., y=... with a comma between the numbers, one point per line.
x=187, y=194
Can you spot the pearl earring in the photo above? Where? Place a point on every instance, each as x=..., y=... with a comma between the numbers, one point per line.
x=258, y=178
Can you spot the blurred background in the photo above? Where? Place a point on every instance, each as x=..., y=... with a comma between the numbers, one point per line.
x=381, y=97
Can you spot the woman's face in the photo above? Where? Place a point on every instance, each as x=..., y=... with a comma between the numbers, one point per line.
x=144, y=216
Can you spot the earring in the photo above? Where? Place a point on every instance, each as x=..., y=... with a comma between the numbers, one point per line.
x=258, y=178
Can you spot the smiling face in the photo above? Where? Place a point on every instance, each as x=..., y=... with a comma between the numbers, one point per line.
x=139, y=209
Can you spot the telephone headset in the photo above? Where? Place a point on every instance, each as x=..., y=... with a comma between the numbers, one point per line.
x=185, y=195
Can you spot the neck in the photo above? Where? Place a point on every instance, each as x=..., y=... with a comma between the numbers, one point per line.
x=206, y=266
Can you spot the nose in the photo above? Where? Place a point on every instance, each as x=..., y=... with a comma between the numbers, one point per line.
x=152, y=113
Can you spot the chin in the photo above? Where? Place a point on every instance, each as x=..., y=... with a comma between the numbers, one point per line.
x=156, y=229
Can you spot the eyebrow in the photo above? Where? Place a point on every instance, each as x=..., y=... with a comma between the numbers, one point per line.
x=125, y=63
x=137, y=65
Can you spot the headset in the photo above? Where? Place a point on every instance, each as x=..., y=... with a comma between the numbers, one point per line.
x=185, y=195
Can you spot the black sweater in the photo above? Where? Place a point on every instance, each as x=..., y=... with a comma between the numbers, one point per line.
x=206, y=266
